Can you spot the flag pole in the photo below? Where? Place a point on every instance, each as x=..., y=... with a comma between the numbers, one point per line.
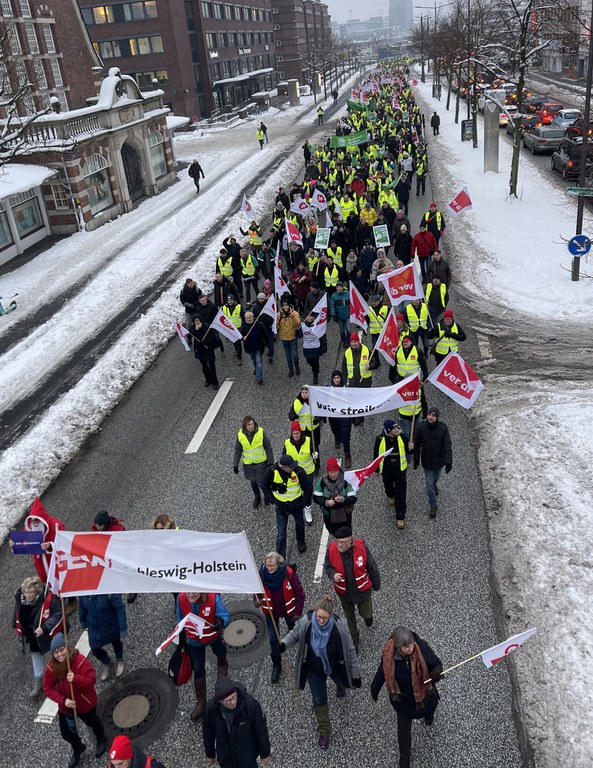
x=289, y=665
x=456, y=666
x=64, y=621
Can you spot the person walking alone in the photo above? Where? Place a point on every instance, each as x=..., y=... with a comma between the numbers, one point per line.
x=435, y=124
x=432, y=446
x=195, y=171
x=260, y=137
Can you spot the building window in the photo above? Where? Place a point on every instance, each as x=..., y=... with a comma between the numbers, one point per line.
x=133, y=46
x=144, y=79
x=96, y=177
x=40, y=75
x=25, y=9
x=5, y=233
x=56, y=72
x=222, y=40
x=210, y=40
x=63, y=101
x=157, y=154
x=207, y=10
x=32, y=38
x=27, y=216
x=13, y=39
x=229, y=12
x=7, y=9
x=61, y=197
x=48, y=36
x=218, y=11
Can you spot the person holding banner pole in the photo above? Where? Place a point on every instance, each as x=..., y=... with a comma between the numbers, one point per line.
x=335, y=496
x=299, y=447
x=356, y=368
x=341, y=427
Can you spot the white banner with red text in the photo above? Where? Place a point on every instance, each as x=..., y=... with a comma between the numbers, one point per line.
x=363, y=401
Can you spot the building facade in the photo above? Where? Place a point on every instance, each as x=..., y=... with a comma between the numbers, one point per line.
x=302, y=31
x=206, y=56
x=401, y=15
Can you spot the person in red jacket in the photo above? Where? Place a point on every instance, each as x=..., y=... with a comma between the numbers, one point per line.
x=424, y=244
x=73, y=690
x=105, y=522
x=39, y=520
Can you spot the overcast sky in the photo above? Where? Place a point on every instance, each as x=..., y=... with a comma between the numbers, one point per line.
x=340, y=9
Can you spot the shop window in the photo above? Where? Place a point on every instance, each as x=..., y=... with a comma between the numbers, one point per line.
x=26, y=213
x=5, y=233
x=96, y=177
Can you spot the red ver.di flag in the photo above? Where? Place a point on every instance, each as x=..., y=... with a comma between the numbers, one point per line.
x=403, y=283
x=388, y=340
x=319, y=200
x=246, y=207
x=182, y=333
x=358, y=477
x=460, y=203
x=457, y=379
x=320, y=324
x=293, y=233
x=359, y=309
x=271, y=310
x=152, y=561
x=222, y=324
x=492, y=656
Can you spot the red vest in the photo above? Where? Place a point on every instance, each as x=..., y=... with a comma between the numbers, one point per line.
x=45, y=611
x=206, y=611
x=359, y=559
x=287, y=592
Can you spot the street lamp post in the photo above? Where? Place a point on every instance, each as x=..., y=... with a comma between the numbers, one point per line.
x=422, y=76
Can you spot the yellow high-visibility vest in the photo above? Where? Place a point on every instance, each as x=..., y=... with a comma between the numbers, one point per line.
x=402, y=452
x=363, y=363
x=234, y=316
x=293, y=486
x=253, y=452
x=301, y=455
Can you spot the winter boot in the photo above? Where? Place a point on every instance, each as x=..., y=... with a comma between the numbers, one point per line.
x=37, y=687
x=404, y=762
x=348, y=462
x=222, y=667
x=75, y=759
x=323, y=725
x=433, y=512
x=276, y=668
x=200, y=686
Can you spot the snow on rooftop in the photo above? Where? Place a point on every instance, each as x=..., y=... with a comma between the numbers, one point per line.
x=18, y=177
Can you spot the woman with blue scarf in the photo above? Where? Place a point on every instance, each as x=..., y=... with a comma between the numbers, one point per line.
x=325, y=649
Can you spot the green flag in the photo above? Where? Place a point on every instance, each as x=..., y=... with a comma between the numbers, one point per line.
x=355, y=105
x=360, y=137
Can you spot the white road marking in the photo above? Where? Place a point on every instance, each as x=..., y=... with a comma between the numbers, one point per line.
x=209, y=417
x=321, y=556
x=49, y=708
x=484, y=345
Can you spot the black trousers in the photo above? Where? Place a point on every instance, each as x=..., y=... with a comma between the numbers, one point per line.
x=405, y=715
x=396, y=484
x=70, y=735
x=209, y=370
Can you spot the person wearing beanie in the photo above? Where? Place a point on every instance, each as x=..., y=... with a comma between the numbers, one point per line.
x=255, y=335
x=393, y=468
x=313, y=297
x=298, y=446
x=335, y=496
x=448, y=334
x=289, y=323
x=105, y=522
x=437, y=298
x=440, y=268
x=209, y=607
x=254, y=448
x=234, y=312
x=205, y=342
x=235, y=730
x=435, y=221
x=352, y=569
x=310, y=425
x=69, y=681
x=355, y=365
x=432, y=447
x=424, y=245
x=416, y=313
x=377, y=316
x=330, y=275
x=286, y=480
x=341, y=427
x=301, y=280
x=339, y=310
x=124, y=754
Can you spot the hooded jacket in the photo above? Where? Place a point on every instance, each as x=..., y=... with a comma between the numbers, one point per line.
x=50, y=526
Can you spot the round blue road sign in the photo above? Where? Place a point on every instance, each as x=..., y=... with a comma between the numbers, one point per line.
x=579, y=245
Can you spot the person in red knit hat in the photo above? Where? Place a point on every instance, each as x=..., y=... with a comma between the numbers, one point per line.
x=123, y=755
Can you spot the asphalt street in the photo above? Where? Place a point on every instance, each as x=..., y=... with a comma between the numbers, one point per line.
x=436, y=574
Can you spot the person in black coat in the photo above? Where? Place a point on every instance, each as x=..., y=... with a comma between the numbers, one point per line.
x=189, y=296
x=223, y=288
x=205, y=342
x=235, y=731
x=408, y=662
x=234, y=251
x=402, y=245
x=432, y=445
x=435, y=124
x=254, y=335
x=402, y=190
x=195, y=171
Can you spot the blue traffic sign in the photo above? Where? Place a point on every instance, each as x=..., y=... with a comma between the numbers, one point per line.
x=579, y=245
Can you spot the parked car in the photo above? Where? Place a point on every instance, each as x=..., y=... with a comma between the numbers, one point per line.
x=508, y=111
x=543, y=139
x=580, y=125
x=527, y=121
x=548, y=111
x=567, y=158
x=565, y=117
x=534, y=102
x=498, y=95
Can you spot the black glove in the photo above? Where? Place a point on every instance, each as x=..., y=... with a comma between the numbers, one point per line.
x=448, y=468
x=236, y=470
x=356, y=682
x=282, y=648
x=436, y=676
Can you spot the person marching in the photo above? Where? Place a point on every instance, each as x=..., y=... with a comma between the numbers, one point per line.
x=417, y=318
x=298, y=447
x=249, y=272
x=407, y=662
x=284, y=597
x=122, y=754
x=432, y=446
x=353, y=571
x=356, y=368
x=205, y=342
x=310, y=425
x=335, y=496
x=105, y=618
x=393, y=468
x=285, y=479
x=325, y=649
x=254, y=448
x=341, y=427
x=437, y=298
x=209, y=607
x=261, y=137
x=234, y=312
x=289, y=324
x=435, y=221
x=319, y=115
x=448, y=335
x=409, y=360
x=377, y=316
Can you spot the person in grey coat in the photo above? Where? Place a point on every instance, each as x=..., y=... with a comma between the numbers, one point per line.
x=254, y=448
x=325, y=649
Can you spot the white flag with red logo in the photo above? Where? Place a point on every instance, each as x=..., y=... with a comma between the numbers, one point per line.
x=300, y=206
x=457, y=379
x=271, y=310
x=319, y=200
x=246, y=206
x=492, y=656
x=414, y=82
x=403, y=283
x=320, y=324
x=89, y=563
x=352, y=402
x=280, y=286
x=197, y=623
x=338, y=209
x=359, y=309
x=225, y=326
x=358, y=477
x=182, y=333
x=388, y=340
x=293, y=234
x=364, y=98
x=460, y=203
x=367, y=88
x=355, y=93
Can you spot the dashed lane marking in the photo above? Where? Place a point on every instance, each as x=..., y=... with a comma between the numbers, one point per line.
x=209, y=417
x=321, y=556
x=49, y=708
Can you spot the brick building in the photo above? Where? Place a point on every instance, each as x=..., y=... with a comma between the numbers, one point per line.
x=302, y=29
x=47, y=45
x=204, y=55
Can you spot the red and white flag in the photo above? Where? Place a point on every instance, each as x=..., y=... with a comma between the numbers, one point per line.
x=301, y=207
x=197, y=623
x=367, y=88
x=414, y=82
x=222, y=324
x=395, y=103
x=460, y=203
x=364, y=98
x=338, y=209
x=293, y=233
x=320, y=324
x=246, y=207
x=457, y=379
x=359, y=309
x=358, y=477
x=280, y=286
x=182, y=333
x=403, y=283
x=492, y=656
x=388, y=340
x=319, y=200
x=328, y=219
x=271, y=310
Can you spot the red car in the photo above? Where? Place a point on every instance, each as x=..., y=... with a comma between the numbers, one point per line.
x=548, y=111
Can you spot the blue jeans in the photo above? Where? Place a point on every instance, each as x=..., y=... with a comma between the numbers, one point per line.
x=318, y=685
x=274, y=644
x=197, y=654
x=345, y=330
x=432, y=478
x=291, y=350
x=256, y=359
x=295, y=509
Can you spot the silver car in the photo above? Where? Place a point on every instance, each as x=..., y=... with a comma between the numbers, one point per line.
x=565, y=117
x=543, y=139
